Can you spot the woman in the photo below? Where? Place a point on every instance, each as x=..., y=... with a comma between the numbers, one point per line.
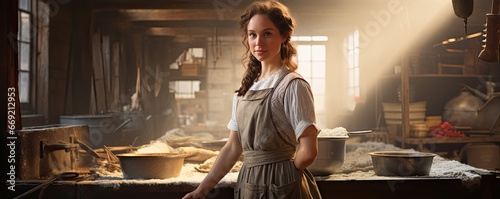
x=273, y=112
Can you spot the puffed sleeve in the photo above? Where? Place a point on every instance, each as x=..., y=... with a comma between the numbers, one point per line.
x=299, y=106
x=232, y=125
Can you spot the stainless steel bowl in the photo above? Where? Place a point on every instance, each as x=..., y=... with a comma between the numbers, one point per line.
x=331, y=151
x=151, y=165
x=398, y=163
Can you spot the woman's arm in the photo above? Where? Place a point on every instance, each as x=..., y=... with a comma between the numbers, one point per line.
x=308, y=148
x=226, y=159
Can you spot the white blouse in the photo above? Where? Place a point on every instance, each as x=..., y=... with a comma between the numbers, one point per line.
x=298, y=108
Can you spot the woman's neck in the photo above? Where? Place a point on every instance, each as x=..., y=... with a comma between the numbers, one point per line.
x=269, y=69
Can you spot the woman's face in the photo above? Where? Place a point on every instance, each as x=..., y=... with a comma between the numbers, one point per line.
x=264, y=39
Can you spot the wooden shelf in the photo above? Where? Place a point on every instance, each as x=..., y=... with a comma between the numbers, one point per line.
x=429, y=140
x=435, y=75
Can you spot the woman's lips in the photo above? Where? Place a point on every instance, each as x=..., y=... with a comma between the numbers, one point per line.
x=260, y=52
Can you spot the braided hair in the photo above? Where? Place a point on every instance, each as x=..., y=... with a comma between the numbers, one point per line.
x=280, y=16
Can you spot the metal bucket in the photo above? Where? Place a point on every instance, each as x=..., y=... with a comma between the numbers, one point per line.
x=100, y=126
x=331, y=151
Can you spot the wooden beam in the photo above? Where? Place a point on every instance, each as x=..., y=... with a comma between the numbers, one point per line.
x=193, y=32
x=11, y=116
x=82, y=63
x=165, y=14
x=149, y=4
x=98, y=74
x=231, y=24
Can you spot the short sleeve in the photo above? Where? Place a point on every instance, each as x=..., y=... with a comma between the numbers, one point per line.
x=232, y=125
x=299, y=106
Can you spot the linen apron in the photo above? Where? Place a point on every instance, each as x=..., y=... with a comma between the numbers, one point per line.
x=268, y=170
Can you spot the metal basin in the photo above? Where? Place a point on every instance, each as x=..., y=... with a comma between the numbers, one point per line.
x=331, y=151
x=397, y=163
x=151, y=165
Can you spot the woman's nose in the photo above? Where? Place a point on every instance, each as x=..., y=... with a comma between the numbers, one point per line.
x=258, y=41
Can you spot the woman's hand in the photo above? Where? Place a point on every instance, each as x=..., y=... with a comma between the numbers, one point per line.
x=196, y=194
x=228, y=155
x=308, y=148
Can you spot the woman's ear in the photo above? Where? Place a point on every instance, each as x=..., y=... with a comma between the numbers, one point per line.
x=283, y=38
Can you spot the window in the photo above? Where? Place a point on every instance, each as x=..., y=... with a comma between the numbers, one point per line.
x=351, y=45
x=311, y=58
x=24, y=49
x=184, y=89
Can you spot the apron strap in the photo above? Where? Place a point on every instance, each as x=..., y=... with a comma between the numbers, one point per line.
x=282, y=124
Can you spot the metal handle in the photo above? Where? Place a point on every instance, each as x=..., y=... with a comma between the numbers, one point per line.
x=360, y=132
x=88, y=149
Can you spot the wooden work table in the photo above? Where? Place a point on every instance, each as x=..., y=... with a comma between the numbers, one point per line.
x=371, y=187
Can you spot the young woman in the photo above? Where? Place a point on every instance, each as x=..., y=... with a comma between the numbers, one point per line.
x=273, y=115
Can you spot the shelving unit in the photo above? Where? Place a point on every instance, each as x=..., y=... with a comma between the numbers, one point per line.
x=433, y=88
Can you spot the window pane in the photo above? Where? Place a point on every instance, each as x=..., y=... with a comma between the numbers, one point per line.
x=351, y=78
x=25, y=27
x=351, y=91
x=318, y=52
x=304, y=38
x=304, y=69
x=24, y=86
x=356, y=57
x=318, y=86
x=196, y=86
x=350, y=58
x=185, y=89
x=356, y=39
x=318, y=69
x=320, y=38
x=294, y=38
x=356, y=77
x=24, y=57
x=25, y=5
x=319, y=102
x=351, y=42
x=198, y=52
x=304, y=52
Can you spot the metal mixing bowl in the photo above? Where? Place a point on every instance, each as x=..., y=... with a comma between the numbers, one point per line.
x=151, y=165
x=399, y=163
x=331, y=151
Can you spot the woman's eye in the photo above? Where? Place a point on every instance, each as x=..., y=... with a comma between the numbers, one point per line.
x=251, y=35
x=267, y=34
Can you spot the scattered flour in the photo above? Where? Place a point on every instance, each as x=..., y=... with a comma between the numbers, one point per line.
x=188, y=175
x=155, y=147
x=357, y=166
x=339, y=131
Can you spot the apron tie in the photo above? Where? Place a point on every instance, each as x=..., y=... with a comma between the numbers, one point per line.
x=257, y=158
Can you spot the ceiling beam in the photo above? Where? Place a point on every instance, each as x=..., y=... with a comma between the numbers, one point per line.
x=165, y=14
x=187, y=23
x=190, y=32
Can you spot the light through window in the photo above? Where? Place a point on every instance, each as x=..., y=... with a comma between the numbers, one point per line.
x=24, y=49
x=352, y=47
x=311, y=59
x=184, y=89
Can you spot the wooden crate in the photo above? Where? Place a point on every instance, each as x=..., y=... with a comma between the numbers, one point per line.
x=189, y=69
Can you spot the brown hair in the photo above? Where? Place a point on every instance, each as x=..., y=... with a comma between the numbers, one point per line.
x=280, y=16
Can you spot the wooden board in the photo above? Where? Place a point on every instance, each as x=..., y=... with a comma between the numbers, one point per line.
x=98, y=74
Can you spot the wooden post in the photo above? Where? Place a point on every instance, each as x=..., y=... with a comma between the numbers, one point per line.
x=10, y=118
x=82, y=60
